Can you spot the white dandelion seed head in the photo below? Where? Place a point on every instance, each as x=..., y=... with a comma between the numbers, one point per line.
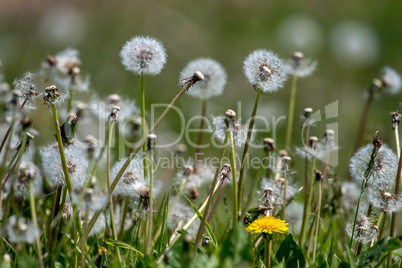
x=384, y=168
x=127, y=107
x=179, y=216
x=76, y=163
x=391, y=80
x=143, y=55
x=27, y=86
x=278, y=187
x=301, y=68
x=132, y=181
x=350, y=194
x=364, y=231
x=239, y=131
x=21, y=231
x=383, y=200
x=28, y=172
x=66, y=60
x=265, y=71
x=214, y=78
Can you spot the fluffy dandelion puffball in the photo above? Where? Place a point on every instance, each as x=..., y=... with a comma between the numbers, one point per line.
x=143, y=55
x=268, y=225
x=391, y=80
x=383, y=170
x=265, y=71
x=214, y=78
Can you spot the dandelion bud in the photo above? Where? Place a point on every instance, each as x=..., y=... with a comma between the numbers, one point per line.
x=329, y=136
x=180, y=150
x=68, y=129
x=205, y=241
x=230, y=117
x=318, y=175
x=92, y=144
x=313, y=142
x=307, y=112
x=151, y=138
x=51, y=94
x=188, y=170
x=396, y=119
x=269, y=145
x=114, y=114
x=225, y=172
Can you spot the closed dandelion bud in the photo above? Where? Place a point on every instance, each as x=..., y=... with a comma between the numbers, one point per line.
x=205, y=242
x=114, y=113
x=143, y=55
x=211, y=77
x=396, y=119
x=68, y=129
x=265, y=71
x=151, y=139
x=269, y=145
x=313, y=143
x=92, y=144
x=318, y=175
x=230, y=117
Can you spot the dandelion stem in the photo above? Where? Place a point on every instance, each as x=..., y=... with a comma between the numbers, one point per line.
x=214, y=182
x=310, y=197
x=306, y=189
x=317, y=225
x=61, y=150
x=112, y=221
x=236, y=213
x=35, y=221
x=123, y=220
x=9, y=131
x=291, y=112
x=143, y=126
x=151, y=201
x=70, y=99
x=7, y=169
x=268, y=250
x=393, y=218
x=91, y=223
x=245, y=152
x=200, y=133
x=285, y=182
x=381, y=224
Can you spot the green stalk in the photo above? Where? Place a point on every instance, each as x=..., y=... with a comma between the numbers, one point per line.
x=398, y=148
x=310, y=197
x=198, y=149
x=284, y=194
x=112, y=221
x=91, y=223
x=61, y=150
x=70, y=100
x=381, y=224
x=306, y=191
x=214, y=183
x=8, y=133
x=7, y=169
x=268, y=251
x=35, y=221
x=143, y=126
x=151, y=202
x=245, y=152
x=291, y=112
x=317, y=225
x=123, y=220
x=234, y=178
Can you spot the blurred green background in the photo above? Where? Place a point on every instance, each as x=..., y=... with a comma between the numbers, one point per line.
x=350, y=40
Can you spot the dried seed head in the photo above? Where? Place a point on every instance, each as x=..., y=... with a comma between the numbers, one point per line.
x=318, y=175
x=307, y=112
x=300, y=66
x=286, y=163
x=16, y=94
x=390, y=80
x=114, y=113
x=297, y=56
x=188, y=170
x=377, y=141
x=190, y=81
x=151, y=139
x=113, y=99
x=313, y=142
x=225, y=172
x=51, y=94
x=230, y=117
x=282, y=153
x=396, y=119
x=269, y=145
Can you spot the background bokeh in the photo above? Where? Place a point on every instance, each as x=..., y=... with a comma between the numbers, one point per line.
x=350, y=40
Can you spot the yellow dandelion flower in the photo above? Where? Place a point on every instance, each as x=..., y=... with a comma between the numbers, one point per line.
x=268, y=225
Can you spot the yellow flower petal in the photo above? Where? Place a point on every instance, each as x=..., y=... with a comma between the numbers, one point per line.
x=268, y=225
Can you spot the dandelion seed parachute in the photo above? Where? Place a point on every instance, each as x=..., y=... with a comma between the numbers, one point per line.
x=143, y=55
x=214, y=78
x=265, y=71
